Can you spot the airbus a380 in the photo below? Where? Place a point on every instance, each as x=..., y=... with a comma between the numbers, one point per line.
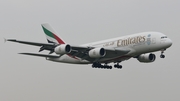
x=100, y=54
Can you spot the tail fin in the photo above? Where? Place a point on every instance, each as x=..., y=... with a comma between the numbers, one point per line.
x=51, y=35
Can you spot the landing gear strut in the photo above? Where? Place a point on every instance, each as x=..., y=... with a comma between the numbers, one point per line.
x=162, y=55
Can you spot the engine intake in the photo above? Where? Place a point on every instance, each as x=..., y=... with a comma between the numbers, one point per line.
x=149, y=57
x=62, y=49
x=97, y=53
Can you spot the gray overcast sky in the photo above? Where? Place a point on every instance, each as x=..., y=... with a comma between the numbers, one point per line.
x=26, y=78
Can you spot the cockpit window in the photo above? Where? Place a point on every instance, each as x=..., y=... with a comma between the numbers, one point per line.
x=163, y=37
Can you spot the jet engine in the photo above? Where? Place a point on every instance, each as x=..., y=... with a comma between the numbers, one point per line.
x=62, y=49
x=97, y=53
x=148, y=57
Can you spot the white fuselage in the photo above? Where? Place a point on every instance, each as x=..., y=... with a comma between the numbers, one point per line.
x=138, y=44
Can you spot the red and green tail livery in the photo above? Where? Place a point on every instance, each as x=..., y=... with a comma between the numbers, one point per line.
x=51, y=34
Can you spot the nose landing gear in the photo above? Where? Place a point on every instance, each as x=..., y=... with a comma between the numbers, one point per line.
x=162, y=55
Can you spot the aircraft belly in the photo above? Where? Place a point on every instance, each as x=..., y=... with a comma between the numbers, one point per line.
x=69, y=59
x=115, y=59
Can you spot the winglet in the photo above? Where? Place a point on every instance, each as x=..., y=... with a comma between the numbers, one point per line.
x=5, y=40
x=13, y=40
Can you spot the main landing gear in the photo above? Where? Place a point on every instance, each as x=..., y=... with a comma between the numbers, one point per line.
x=162, y=55
x=105, y=66
x=98, y=65
x=118, y=66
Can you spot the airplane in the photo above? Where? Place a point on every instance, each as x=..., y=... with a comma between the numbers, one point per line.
x=100, y=54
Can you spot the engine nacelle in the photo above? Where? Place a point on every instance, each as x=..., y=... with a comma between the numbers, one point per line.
x=97, y=53
x=149, y=57
x=62, y=49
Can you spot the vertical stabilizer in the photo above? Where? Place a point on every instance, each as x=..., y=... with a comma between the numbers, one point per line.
x=51, y=35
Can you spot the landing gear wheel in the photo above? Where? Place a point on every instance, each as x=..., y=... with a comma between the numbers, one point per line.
x=118, y=66
x=98, y=65
x=162, y=56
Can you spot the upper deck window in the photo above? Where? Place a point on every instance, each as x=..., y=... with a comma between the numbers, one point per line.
x=163, y=37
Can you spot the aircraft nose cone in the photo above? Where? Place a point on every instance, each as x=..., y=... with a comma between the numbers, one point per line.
x=169, y=42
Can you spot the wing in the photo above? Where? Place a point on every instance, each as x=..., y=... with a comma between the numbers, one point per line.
x=30, y=43
x=44, y=46
x=77, y=51
x=41, y=55
x=82, y=52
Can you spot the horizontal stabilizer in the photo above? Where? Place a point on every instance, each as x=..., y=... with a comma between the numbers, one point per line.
x=41, y=55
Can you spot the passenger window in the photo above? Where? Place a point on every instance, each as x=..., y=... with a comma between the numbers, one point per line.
x=163, y=37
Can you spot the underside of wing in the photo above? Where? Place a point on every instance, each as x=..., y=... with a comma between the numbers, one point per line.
x=81, y=52
x=110, y=53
